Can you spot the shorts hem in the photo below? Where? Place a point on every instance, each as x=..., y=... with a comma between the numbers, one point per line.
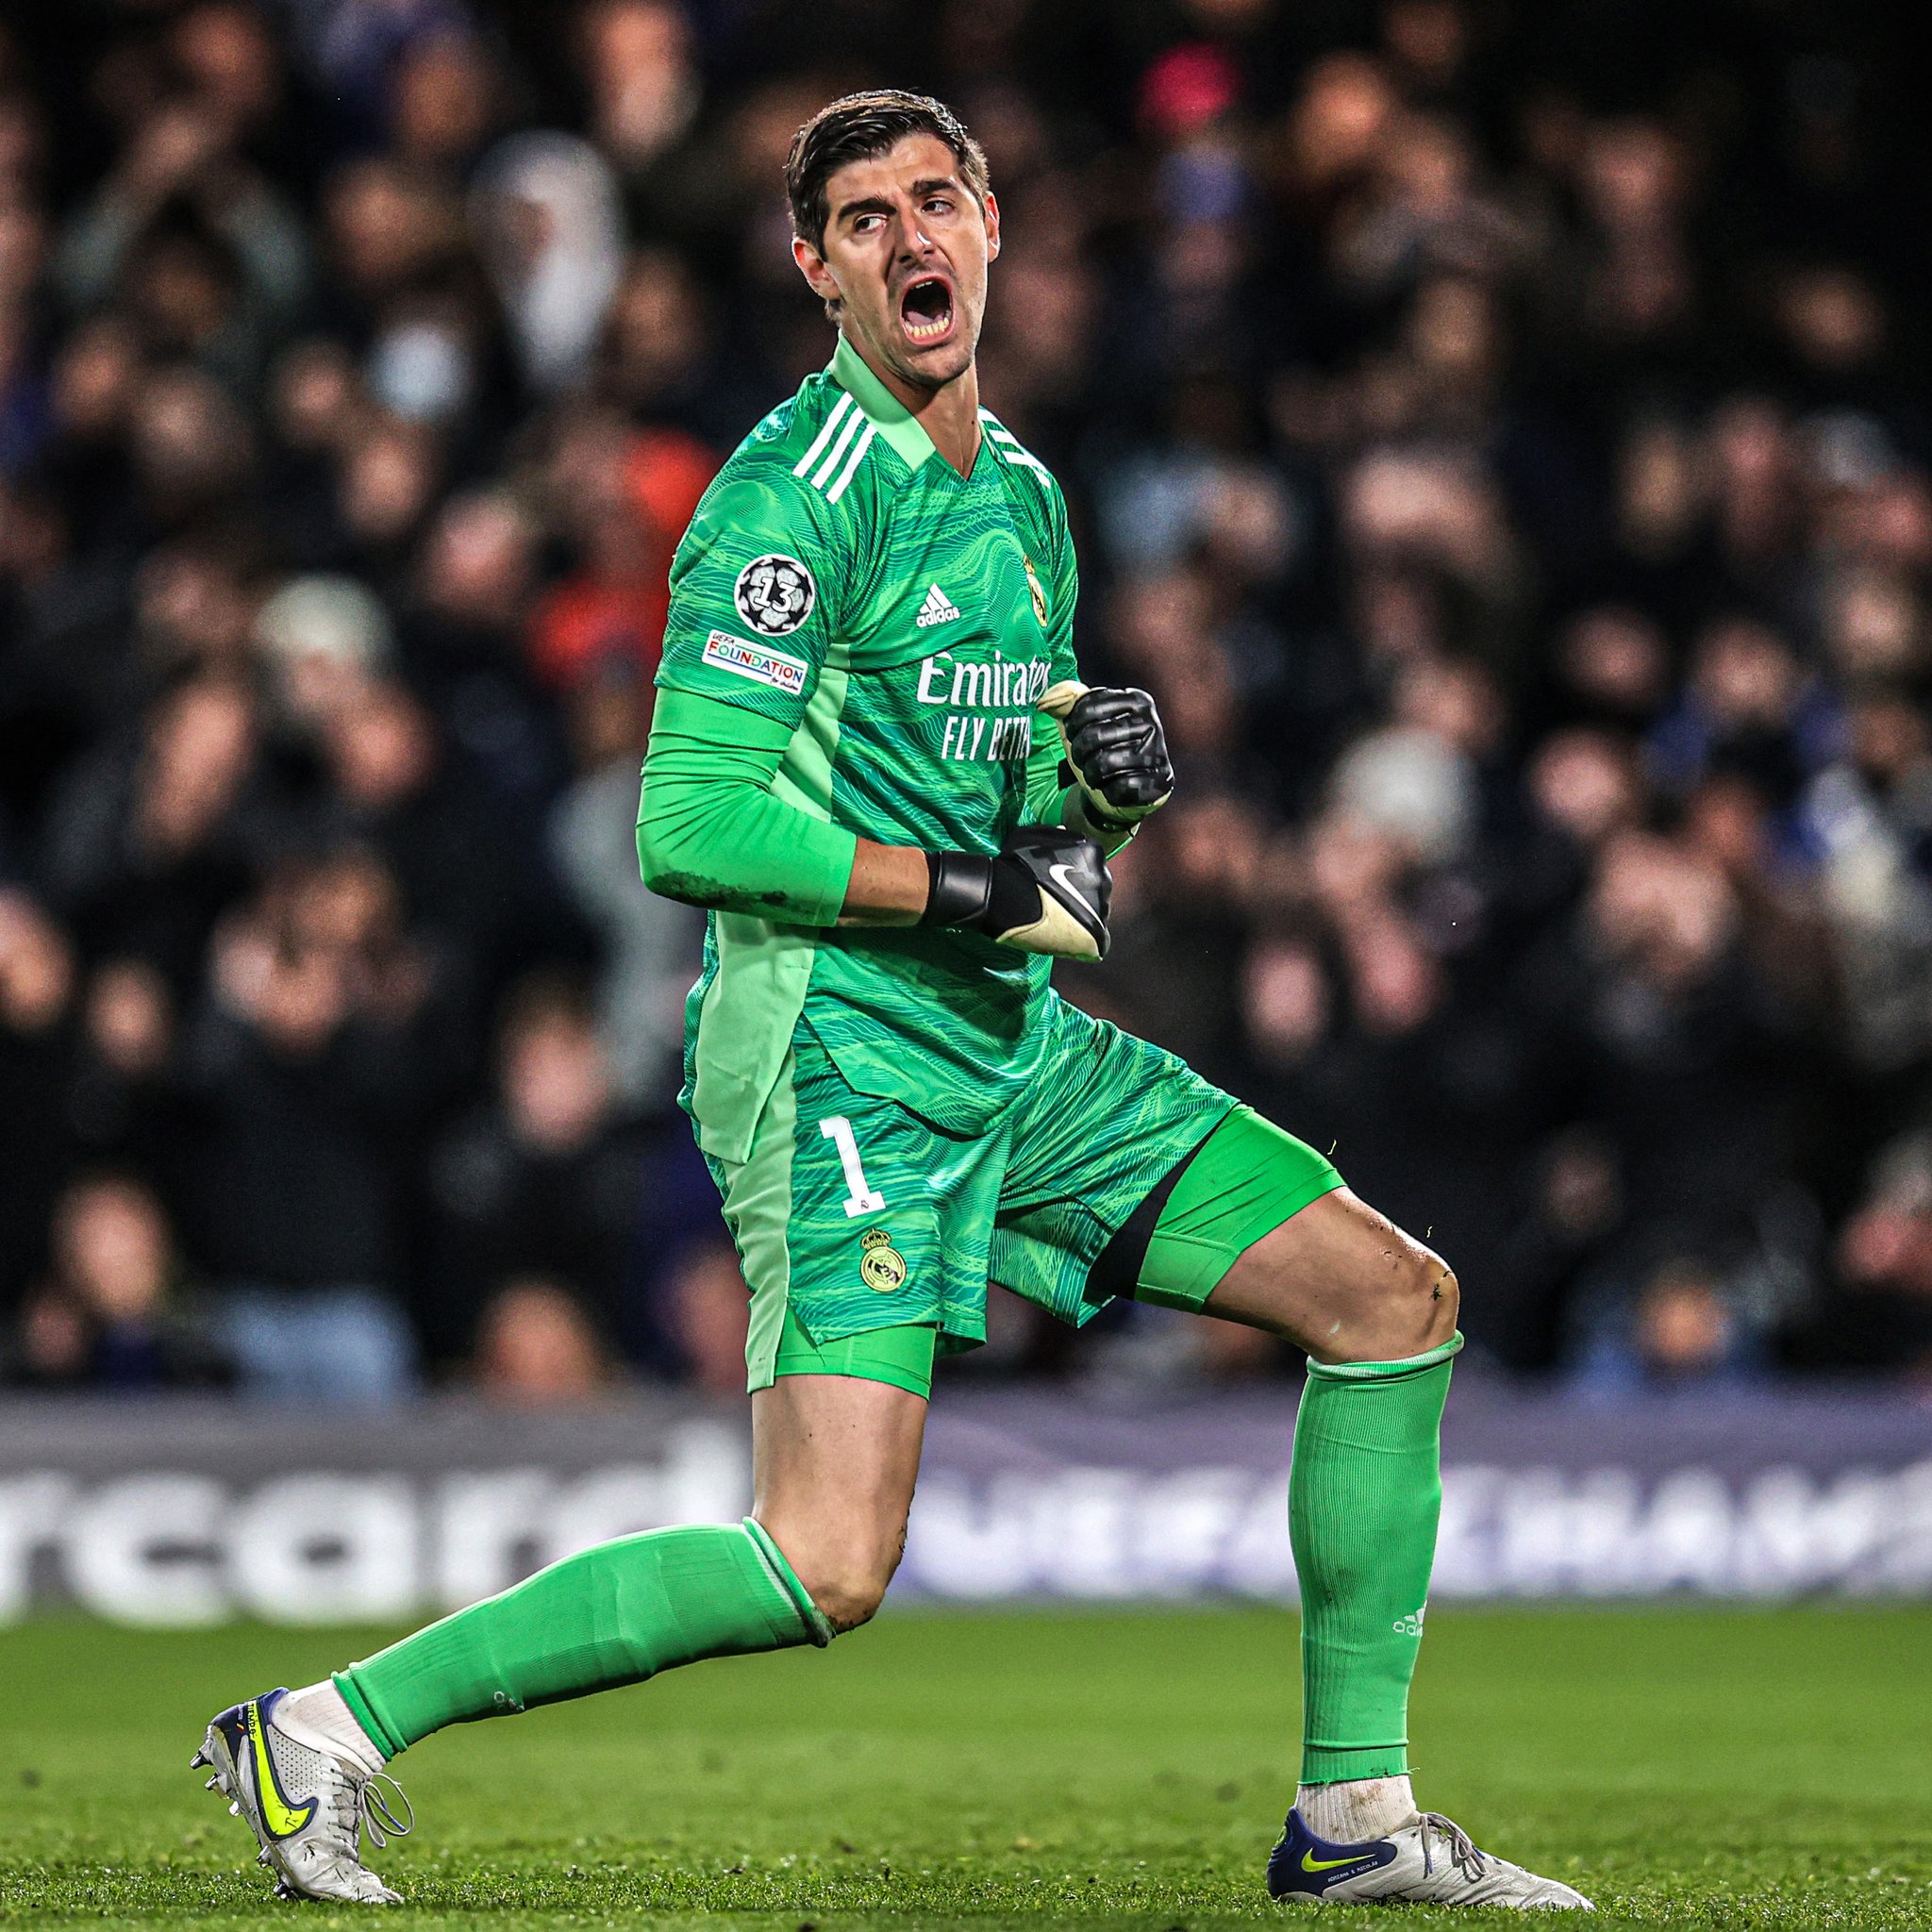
x=1208, y=1260
x=858, y=1372
x=900, y=1354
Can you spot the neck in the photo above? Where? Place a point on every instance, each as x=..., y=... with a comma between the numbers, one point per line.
x=949, y=414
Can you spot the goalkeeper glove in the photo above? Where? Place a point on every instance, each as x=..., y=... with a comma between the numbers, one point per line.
x=1046, y=892
x=1118, y=751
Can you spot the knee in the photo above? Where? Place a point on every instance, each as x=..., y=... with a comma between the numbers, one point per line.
x=846, y=1579
x=1404, y=1307
x=848, y=1598
x=1425, y=1304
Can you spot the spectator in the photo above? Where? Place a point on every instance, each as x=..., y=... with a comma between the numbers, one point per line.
x=301, y=1073
x=1517, y=499
x=111, y=1316
x=545, y=212
x=37, y=998
x=543, y=1181
x=1682, y=1332
x=709, y=1308
x=1882, y=1316
x=536, y=1348
x=650, y=944
x=199, y=249
x=147, y=846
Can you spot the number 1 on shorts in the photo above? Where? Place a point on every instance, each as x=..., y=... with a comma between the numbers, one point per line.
x=859, y=1198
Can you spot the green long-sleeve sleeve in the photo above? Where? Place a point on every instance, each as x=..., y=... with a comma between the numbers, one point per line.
x=710, y=829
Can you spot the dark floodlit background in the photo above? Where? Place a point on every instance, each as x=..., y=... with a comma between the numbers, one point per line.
x=1495, y=432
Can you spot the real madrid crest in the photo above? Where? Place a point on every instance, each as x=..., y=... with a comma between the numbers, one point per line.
x=1033, y=584
x=882, y=1267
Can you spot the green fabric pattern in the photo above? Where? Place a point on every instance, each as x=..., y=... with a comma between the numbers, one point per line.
x=710, y=829
x=1030, y=1202
x=615, y=1614
x=1364, y=1496
x=757, y=1195
x=844, y=582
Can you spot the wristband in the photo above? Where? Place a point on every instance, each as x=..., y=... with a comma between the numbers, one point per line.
x=959, y=888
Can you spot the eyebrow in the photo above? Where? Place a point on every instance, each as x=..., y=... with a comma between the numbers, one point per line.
x=878, y=204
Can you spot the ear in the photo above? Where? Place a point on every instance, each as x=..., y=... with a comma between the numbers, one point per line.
x=992, y=226
x=811, y=265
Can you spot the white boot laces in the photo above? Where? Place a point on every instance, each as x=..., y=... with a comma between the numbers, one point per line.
x=1463, y=1853
x=356, y=1803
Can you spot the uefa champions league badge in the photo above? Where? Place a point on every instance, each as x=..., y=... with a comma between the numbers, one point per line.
x=775, y=595
x=882, y=1267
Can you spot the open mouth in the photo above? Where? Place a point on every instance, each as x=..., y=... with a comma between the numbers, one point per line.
x=926, y=309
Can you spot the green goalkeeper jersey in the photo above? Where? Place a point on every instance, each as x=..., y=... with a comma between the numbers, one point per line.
x=842, y=578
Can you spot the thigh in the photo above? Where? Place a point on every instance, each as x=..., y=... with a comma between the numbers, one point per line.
x=1245, y=1181
x=1344, y=1282
x=1108, y=1119
x=834, y=1461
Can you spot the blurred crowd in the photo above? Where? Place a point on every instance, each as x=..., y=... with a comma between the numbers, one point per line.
x=1489, y=431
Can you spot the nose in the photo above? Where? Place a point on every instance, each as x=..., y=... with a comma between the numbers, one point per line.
x=914, y=244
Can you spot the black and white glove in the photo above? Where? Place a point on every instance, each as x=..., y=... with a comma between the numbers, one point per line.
x=1046, y=892
x=1114, y=743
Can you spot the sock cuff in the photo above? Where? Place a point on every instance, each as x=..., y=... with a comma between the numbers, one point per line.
x=366, y=1714
x=1384, y=1372
x=1346, y=1764
x=818, y=1626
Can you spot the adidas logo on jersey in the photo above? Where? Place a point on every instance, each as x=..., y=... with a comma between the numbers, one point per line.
x=937, y=609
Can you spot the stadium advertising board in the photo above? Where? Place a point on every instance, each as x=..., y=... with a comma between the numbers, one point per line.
x=182, y=1514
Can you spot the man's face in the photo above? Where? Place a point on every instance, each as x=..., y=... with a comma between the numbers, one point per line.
x=905, y=250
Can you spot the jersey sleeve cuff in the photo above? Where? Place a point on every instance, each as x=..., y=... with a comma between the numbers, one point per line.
x=1073, y=816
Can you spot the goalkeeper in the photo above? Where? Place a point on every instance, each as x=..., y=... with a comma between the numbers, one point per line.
x=867, y=711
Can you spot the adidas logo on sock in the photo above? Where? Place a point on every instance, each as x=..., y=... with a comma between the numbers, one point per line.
x=937, y=609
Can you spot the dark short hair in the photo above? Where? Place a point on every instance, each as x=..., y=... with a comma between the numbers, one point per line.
x=860, y=127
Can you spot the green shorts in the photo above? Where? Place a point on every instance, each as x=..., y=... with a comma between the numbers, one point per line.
x=854, y=1214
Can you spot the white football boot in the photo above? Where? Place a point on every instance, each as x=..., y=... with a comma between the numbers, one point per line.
x=304, y=1801
x=1426, y=1861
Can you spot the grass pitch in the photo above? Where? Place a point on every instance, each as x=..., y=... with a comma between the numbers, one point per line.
x=1722, y=1769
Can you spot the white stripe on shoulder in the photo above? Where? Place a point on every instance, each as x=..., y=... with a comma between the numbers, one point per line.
x=851, y=463
x=824, y=435
x=854, y=424
x=1011, y=452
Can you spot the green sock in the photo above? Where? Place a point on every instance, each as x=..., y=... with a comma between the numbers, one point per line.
x=1363, y=1500
x=611, y=1615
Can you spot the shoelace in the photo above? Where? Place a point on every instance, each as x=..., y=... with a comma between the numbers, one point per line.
x=1463, y=1853
x=379, y=1815
x=358, y=1805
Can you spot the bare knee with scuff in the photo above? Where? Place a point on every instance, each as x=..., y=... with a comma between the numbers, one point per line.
x=846, y=1579
x=1406, y=1300
x=1345, y=1283
x=1430, y=1304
